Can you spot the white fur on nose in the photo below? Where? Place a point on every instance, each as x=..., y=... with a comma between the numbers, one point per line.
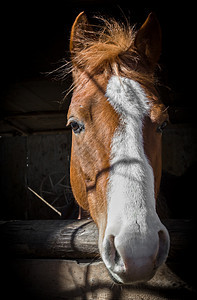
x=131, y=181
x=132, y=219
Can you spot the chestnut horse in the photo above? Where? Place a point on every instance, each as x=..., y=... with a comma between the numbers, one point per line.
x=117, y=121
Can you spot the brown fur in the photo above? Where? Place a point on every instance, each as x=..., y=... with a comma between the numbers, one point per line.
x=110, y=50
x=97, y=54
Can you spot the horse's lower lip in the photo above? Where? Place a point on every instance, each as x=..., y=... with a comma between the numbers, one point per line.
x=114, y=279
x=127, y=280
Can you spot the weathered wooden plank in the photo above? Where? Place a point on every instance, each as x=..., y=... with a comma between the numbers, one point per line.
x=50, y=238
x=75, y=239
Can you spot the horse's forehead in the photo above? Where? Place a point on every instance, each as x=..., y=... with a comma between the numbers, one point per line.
x=80, y=106
x=94, y=91
x=87, y=95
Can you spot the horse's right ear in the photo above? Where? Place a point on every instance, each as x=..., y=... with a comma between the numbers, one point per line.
x=79, y=28
x=148, y=39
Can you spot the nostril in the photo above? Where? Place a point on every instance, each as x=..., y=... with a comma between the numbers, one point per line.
x=117, y=258
x=112, y=256
x=163, y=247
x=110, y=248
x=109, y=251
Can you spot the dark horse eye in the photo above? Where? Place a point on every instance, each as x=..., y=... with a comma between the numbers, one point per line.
x=77, y=127
x=161, y=127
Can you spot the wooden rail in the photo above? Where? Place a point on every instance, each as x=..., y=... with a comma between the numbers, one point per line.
x=76, y=239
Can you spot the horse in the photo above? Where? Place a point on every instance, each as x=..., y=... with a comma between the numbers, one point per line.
x=117, y=120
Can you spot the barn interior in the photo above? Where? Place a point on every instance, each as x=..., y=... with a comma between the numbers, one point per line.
x=35, y=143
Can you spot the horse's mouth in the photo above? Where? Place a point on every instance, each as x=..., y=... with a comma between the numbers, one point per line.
x=127, y=281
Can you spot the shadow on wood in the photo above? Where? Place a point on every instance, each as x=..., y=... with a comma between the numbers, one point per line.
x=58, y=259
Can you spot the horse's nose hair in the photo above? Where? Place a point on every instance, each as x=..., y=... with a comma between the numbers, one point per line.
x=124, y=263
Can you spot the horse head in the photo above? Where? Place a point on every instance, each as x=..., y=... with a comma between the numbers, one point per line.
x=117, y=121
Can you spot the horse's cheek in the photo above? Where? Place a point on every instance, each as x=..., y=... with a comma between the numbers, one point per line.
x=78, y=185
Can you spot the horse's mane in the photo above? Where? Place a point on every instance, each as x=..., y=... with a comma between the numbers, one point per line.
x=102, y=44
x=108, y=49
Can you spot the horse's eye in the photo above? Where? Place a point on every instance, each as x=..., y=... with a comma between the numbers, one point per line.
x=161, y=127
x=77, y=127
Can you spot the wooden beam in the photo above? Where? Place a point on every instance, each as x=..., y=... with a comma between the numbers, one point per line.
x=34, y=123
x=50, y=238
x=33, y=114
x=75, y=239
x=51, y=131
x=17, y=128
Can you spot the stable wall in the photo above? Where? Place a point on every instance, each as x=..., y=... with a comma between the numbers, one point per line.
x=28, y=161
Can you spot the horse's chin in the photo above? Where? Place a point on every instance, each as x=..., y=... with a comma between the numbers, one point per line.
x=129, y=280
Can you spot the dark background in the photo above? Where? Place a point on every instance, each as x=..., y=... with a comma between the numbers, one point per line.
x=35, y=36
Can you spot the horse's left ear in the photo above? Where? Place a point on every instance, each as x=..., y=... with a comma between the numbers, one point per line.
x=148, y=39
x=79, y=28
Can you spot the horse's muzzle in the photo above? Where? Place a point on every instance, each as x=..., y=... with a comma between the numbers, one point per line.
x=132, y=256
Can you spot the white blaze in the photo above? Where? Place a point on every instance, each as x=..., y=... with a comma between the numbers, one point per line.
x=131, y=181
x=135, y=240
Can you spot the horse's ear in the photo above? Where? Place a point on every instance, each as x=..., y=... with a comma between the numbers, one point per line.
x=80, y=26
x=148, y=39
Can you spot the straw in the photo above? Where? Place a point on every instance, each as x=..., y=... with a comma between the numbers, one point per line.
x=58, y=212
